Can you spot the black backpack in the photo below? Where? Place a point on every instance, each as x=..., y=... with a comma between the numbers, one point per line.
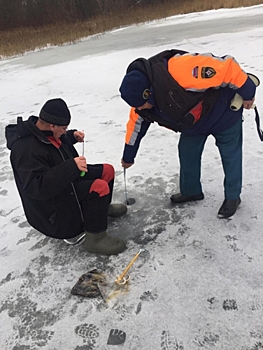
x=180, y=105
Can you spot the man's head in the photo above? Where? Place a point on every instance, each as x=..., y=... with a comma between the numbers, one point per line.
x=135, y=88
x=54, y=116
x=55, y=112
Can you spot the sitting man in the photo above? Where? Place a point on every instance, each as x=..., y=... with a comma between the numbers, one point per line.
x=57, y=201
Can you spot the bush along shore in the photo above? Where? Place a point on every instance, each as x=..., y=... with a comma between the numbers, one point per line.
x=21, y=37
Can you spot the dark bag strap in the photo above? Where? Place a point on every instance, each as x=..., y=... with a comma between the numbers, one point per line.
x=257, y=119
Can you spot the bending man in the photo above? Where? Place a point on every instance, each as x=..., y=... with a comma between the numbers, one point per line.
x=191, y=94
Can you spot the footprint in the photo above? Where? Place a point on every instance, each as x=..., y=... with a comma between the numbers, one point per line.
x=213, y=303
x=116, y=337
x=257, y=334
x=10, y=276
x=139, y=308
x=169, y=342
x=148, y=296
x=208, y=339
x=124, y=311
x=85, y=347
x=255, y=304
x=229, y=304
x=89, y=333
x=257, y=346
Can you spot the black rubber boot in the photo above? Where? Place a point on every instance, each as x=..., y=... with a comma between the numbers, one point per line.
x=117, y=210
x=179, y=198
x=228, y=208
x=104, y=244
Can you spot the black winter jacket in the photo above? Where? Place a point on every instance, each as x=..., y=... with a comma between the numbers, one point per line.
x=44, y=179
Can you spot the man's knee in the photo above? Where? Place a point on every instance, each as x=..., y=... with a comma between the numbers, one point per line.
x=101, y=187
x=108, y=173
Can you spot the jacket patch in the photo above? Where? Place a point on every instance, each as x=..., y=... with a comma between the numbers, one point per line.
x=146, y=94
x=207, y=72
x=195, y=72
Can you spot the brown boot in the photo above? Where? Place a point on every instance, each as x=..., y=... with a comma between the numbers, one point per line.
x=117, y=210
x=104, y=244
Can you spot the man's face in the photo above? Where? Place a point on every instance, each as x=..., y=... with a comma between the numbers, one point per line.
x=58, y=130
x=147, y=105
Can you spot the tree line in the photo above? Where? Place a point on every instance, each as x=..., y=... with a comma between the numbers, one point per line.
x=37, y=13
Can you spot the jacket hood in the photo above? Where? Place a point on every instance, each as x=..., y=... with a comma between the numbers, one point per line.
x=15, y=132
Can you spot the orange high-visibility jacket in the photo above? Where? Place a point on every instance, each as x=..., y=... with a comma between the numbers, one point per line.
x=197, y=73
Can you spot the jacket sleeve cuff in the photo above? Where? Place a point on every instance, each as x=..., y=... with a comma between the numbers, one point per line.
x=129, y=153
x=71, y=137
x=248, y=90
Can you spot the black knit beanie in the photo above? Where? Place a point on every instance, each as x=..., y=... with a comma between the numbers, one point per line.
x=55, y=112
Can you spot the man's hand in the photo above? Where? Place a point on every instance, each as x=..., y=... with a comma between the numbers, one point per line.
x=126, y=165
x=81, y=163
x=248, y=104
x=79, y=136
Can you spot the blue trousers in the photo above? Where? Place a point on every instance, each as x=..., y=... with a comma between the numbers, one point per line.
x=229, y=143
